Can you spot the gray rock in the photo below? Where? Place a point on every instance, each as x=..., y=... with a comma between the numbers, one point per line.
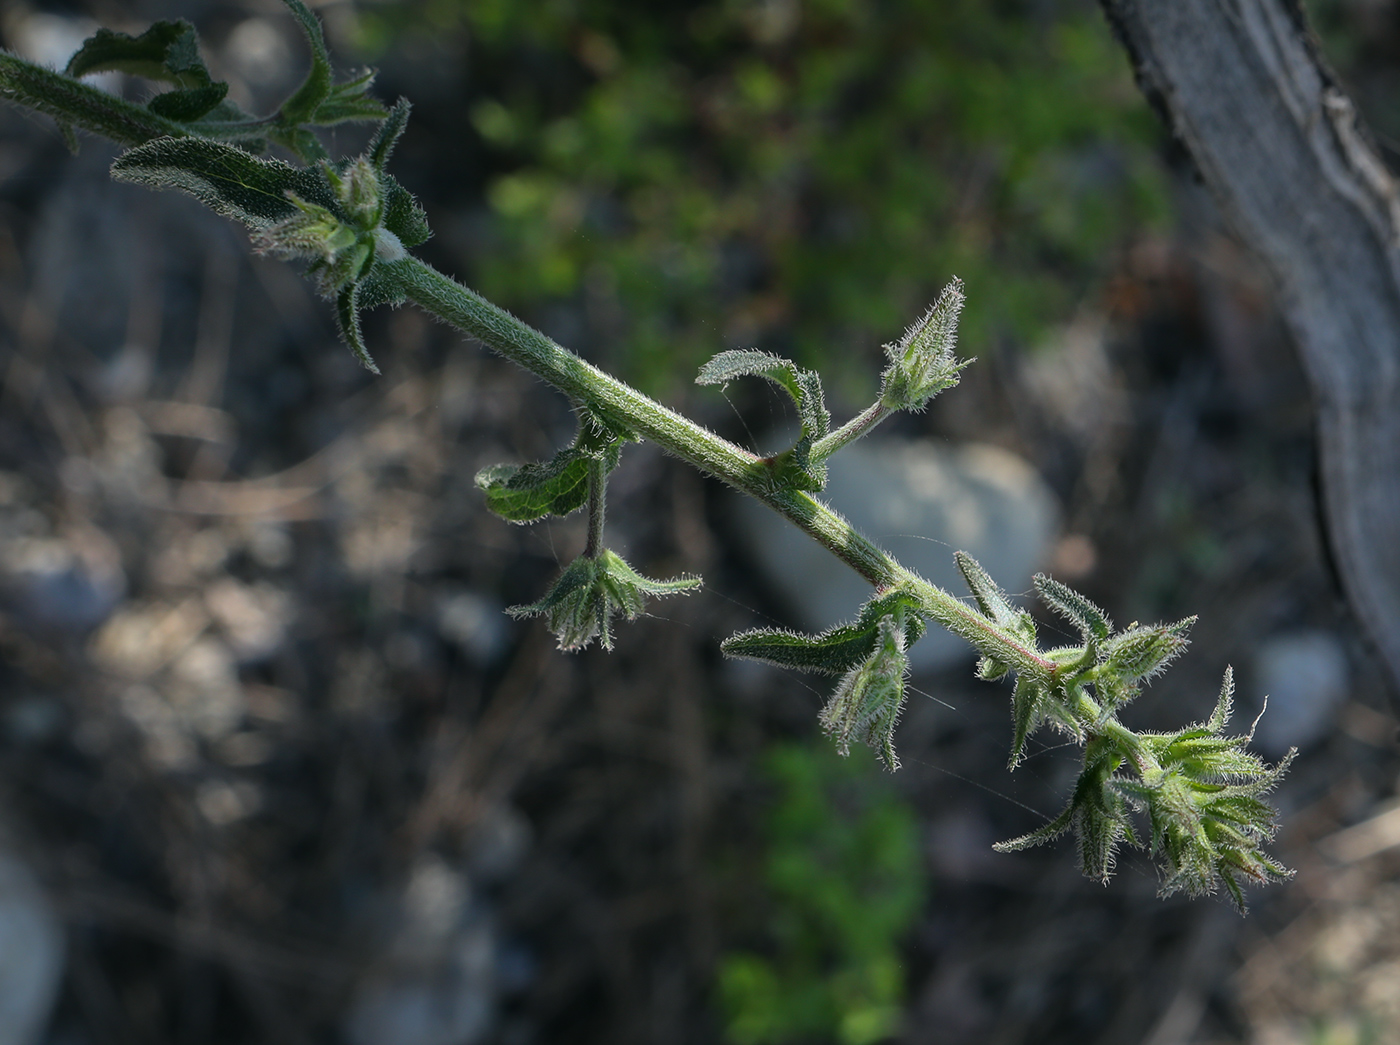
x=921, y=502
x=1306, y=677
x=31, y=954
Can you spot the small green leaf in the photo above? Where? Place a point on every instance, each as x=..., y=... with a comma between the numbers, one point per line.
x=922, y=362
x=992, y=601
x=1027, y=712
x=835, y=650
x=167, y=51
x=524, y=493
x=318, y=101
x=381, y=146
x=349, y=103
x=384, y=284
x=1088, y=618
x=805, y=387
x=402, y=215
x=1224, y=704
x=302, y=105
x=224, y=178
x=1047, y=832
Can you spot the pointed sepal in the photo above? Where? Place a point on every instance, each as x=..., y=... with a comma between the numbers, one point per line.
x=580, y=605
x=1143, y=653
x=1092, y=622
x=922, y=363
x=870, y=697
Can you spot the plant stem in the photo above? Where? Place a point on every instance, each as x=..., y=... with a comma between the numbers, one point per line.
x=597, y=505
x=849, y=432
x=624, y=409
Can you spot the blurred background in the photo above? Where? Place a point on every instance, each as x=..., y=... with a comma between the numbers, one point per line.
x=275, y=767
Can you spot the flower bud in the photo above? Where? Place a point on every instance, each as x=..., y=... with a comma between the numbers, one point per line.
x=870, y=697
x=922, y=363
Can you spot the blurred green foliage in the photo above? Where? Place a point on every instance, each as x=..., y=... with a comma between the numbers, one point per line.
x=844, y=878
x=799, y=175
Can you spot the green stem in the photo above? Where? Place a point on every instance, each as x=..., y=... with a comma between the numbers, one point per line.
x=597, y=505
x=625, y=409
x=849, y=432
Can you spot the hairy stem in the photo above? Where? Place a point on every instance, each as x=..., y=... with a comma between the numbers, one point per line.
x=624, y=408
x=597, y=506
x=849, y=432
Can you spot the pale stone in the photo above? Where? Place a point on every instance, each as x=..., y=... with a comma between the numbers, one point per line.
x=921, y=502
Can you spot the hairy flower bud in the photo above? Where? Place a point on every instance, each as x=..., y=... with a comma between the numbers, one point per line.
x=582, y=602
x=869, y=699
x=922, y=363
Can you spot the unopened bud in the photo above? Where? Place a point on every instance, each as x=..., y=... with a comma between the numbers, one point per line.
x=868, y=700
x=922, y=363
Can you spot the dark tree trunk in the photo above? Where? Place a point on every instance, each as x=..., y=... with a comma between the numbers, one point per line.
x=1242, y=84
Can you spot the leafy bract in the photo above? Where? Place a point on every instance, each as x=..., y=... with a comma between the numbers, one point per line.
x=835, y=650
x=992, y=601
x=319, y=101
x=167, y=52
x=922, y=363
x=226, y=179
x=1092, y=622
x=524, y=493
x=805, y=387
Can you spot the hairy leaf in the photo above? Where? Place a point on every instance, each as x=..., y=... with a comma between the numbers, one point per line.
x=302, y=105
x=1088, y=618
x=190, y=104
x=524, y=493
x=1143, y=653
x=381, y=146
x=402, y=215
x=868, y=700
x=1224, y=704
x=318, y=101
x=922, y=362
x=167, y=52
x=992, y=601
x=347, y=317
x=835, y=650
x=1027, y=712
x=805, y=387
x=224, y=178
